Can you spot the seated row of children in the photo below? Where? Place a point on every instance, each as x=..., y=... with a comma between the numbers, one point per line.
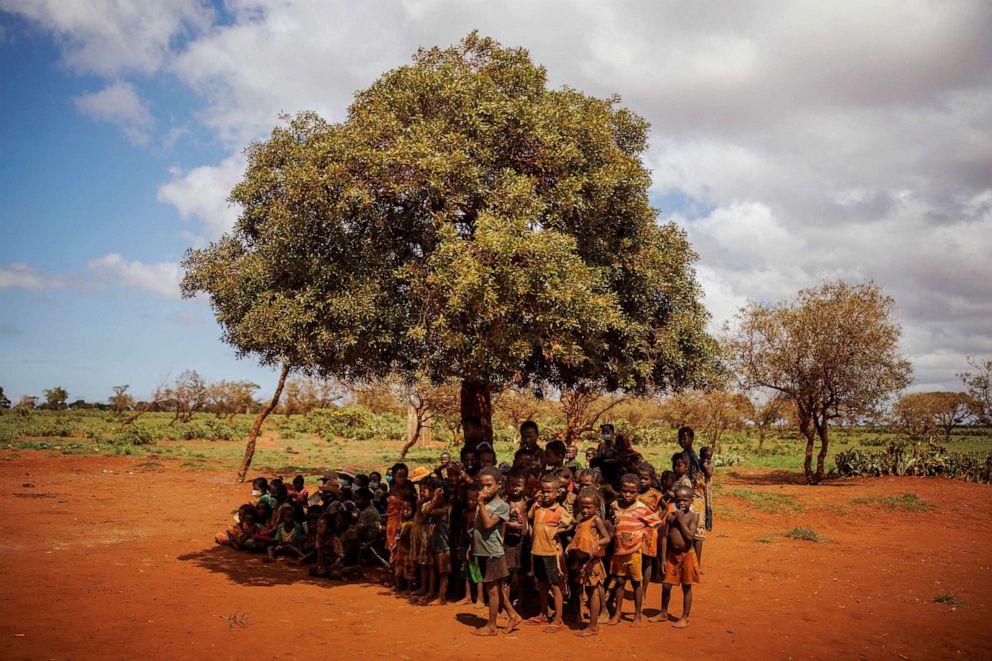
x=567, y=534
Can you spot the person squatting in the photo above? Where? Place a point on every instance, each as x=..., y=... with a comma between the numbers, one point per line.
x=537, y=537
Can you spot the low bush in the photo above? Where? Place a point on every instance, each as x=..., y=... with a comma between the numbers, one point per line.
x=916, y=460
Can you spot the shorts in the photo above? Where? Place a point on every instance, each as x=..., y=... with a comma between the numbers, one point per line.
x=514, y=559
x=546, y=569
x=681, y=568
x=649, y=547
x=470, y=570
x=492, y=569
x=442, y=560
x=627, y=565
x=592, y=573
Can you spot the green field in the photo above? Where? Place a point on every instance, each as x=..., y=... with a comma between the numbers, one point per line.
x=368, y=441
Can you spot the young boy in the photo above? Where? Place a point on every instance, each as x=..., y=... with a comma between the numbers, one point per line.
x=587, y=547
x=469, y=564
x=652, y=498
x=554, y=456
x=706, y=458
x=487, y=548
x=516, y=530
x=548, y=520
x=680, y=557
x=631, y=518
x=696, y=482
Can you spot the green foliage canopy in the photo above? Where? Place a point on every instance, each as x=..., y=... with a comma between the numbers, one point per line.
x=463, y=221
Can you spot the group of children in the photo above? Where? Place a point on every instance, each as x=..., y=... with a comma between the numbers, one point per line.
x=543, y=532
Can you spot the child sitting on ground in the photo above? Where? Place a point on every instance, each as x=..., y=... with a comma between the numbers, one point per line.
x=548, y=520
x=241, y=534
x=631, y=518
x=287, y=536
x=330, y=550
x=681, y=567
x=587, y=547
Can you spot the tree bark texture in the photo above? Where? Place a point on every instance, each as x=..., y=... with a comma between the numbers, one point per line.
x=257, y=427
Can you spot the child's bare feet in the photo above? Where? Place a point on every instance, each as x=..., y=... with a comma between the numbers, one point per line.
x=436, y=601
x=554, y=627
x=484, y=631
x=537, y=619
x=613, y=621
x=585, y=633
x=660, y=617
x=681, y=624
x=637, y=622
x=512, y=625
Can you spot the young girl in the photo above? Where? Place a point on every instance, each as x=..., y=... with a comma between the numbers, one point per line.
x=470, y=571
x=404, y=569
x=418, y=538
x=330, y=550
x=242, y=532
x=399, y=491
x=652, y=498
x=438, y=545
x=586, y=549
x=287, y=536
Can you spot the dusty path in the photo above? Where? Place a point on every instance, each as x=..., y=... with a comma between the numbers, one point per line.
x=112, y=558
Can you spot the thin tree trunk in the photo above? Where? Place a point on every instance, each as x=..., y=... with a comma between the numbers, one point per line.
x=822, y=431
x=476, y=399
x=257, y=427
x=806, y=428
x=134, y=416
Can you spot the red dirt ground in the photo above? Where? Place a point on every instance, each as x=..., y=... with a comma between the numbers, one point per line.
x=104, y=558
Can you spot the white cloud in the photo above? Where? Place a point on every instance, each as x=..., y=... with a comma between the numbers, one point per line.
x=111, y=37
x=161, y=279
x=18, y=275
x=814, y=140
x=202, y=193
x=119, y=103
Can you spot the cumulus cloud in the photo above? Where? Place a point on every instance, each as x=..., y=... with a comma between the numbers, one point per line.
x=119, y=103
x=201, y=193
x=807, y=141
x=113, y=270
x=112, y=37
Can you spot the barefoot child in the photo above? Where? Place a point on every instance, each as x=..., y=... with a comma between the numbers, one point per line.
x=631, y=518
x=587, y=547
x=287, y=536
x=548, y=520
x=680, y=557
x=469, y=564
x=652, y=498
x=438, y=545
x=487, y=547
x=404, y=569
x=515, y=532
x=241, y=534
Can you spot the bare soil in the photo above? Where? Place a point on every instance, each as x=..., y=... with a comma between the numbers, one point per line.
x=113, y=557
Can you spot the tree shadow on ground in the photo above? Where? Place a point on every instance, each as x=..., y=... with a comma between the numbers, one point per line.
x=249, y=569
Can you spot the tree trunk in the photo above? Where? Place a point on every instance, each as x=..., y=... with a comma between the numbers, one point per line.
x=476, y=399
x=134, y=416
x=761, y=438
x=822, y=431
x=257, y=427
x=806, y=428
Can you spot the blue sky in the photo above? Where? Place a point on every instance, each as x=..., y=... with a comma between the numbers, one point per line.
x=793, y=145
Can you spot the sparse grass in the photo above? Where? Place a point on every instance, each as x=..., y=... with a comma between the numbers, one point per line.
x=765, y=539
x=907, y=502
x=765, y=501
x=949, y=598
x=803, y=534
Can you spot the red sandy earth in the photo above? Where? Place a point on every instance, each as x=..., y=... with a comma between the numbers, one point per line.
x=100, y=558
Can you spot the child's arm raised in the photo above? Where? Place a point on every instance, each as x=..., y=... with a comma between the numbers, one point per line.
x=488, y=515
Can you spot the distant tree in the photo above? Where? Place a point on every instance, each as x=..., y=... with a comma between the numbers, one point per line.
x=187, y=396
x=833, y=351
x=583, y=407
x=228, y=398
x=921, y=414
x=159, y=396
x=55, y=398
x=764, y=412
x=711, y=412
x=4, y=402
x=388, y=395
x=120, y=401
x=27, y=402
x=979, y=387
x=464, y=221
x=517, y=404
x=304, y=393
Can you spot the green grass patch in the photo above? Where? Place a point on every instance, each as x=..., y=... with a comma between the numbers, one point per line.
x=803, y=534
x=907, y=502
x=765, y=501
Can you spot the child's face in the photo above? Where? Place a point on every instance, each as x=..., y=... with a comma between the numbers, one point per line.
x=572, y=452
x=683, y=498
x=298, y=484
x=407, y=509
x=586, y=481
x=249, y=518
x=680, y=468
x=515, y=487
x=471, y=499
x=487, y=459
x=528, y=436
x=549, y=493
x=587, y=507
x=286, y=517
x=590, y=454
x=471, y=460
x=489, y=487
x=399, y=477
x=668, y=481
x=646, y=479
x=321, y=526
x=361, y=502
x=628, y=493
x=685, y=442
x=523, y=462
x=445, y=458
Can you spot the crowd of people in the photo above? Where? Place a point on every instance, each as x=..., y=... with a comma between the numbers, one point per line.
x=542, y=534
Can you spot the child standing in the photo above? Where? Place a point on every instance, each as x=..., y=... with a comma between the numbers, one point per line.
x=548, y=520
x=652, y=498
x=399, y=491
x=438, y=545
x=404, y=569
x=516, y=531
x=681, y=567
x=631, y=518
x=487, y=546
x=587, y=547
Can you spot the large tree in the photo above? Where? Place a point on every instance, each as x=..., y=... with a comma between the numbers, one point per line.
x=834, y=351
x=464, y=221
x=921, y=414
